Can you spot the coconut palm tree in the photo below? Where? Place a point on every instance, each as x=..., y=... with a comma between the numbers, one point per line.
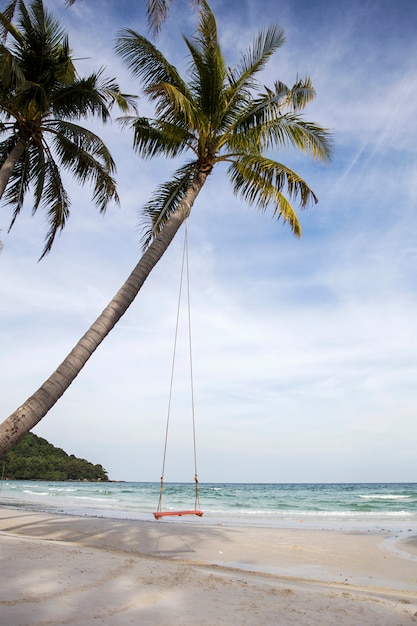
x=41, y=100
x=219, y=116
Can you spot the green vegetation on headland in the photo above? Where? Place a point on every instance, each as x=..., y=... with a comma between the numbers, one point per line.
x=34, y=458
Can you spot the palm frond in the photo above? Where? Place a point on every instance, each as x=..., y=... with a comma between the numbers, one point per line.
x=6, y=17
x=38, y=173
x=145, y=61
x=208, y=77
x=40, y=27
x=242, y=80
x=273, y=103
x=291, y=130
x=124, y=101
x=300, y=94
x=265, y=125
x=87, y=158
x=93, y=95
x=153, y=138
x=165, y=201
x=109, y=91
x=11, y=73
x=282, y=99
x=265, y=107
x=38, y=166
x=54, y=199
x=157, y=11
x=206, y=38
x=207, y=67
x=6, y=25
x=65, y=71
x=6, y=145
x=256, y=57
x=262, y=181
x=18, y=185
x=177, y=108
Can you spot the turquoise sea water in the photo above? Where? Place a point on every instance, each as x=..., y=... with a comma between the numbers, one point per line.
x=372, y=506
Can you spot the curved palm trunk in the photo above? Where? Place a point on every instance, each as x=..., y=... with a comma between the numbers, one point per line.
x=37, y=405
x=8, y=165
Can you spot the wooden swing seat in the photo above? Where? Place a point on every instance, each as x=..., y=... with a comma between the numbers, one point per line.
x=159, y=514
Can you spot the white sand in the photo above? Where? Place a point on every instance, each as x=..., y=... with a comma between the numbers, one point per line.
x=66, y=570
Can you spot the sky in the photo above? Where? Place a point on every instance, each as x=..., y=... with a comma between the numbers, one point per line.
x=304, y=350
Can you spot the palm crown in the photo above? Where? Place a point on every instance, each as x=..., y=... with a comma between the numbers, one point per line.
x=222, y=115
x=42, y=97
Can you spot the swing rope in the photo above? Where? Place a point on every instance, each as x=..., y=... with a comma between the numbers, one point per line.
x=184, y=269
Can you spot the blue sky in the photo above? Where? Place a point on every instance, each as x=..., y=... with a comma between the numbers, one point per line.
x=304, y=350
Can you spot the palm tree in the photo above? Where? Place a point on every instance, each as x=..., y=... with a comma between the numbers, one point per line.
x=41, y=99
x=218, y=118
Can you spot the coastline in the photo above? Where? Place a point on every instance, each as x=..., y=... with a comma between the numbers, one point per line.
x=83, y=571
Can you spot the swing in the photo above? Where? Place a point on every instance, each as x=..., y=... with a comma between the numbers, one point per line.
x=159, y=513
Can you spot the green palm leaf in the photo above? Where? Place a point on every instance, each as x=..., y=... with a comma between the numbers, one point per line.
x=153, y=138
x=83, y=154
x=146, y=62
x=165, y=201
x=262, y=182
x=256, y=57
x=54, y=199
x=19, y=184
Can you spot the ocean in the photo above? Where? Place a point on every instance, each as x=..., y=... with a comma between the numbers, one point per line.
x=358, y=506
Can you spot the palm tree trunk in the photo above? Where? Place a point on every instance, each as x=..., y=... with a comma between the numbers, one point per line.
x=37, y=405
x=8, y=165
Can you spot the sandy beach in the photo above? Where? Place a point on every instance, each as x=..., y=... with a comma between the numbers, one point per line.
x=84, y=571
